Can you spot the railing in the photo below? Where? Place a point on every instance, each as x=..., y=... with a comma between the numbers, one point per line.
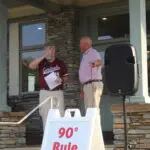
x=30, y=113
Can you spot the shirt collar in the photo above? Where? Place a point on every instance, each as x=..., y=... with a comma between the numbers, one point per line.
x=87, y=51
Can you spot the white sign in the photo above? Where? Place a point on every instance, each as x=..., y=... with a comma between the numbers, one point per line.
x=72, y=133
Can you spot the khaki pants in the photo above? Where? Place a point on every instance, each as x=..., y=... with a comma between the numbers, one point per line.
x=92, y=94
x=58, y=103
x=92, y=97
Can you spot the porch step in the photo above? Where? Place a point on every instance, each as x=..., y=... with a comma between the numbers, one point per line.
x=108, y=147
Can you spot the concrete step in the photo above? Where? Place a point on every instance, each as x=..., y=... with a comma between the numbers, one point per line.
x=108, y=147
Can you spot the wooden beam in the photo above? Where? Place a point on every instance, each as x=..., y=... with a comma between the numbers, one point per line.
x=24, y=12
x=46, y=5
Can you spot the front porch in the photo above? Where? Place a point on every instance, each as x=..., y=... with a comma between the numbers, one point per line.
x=64, y=26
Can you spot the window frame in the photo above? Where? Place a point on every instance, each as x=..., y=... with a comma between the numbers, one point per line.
x=28, y=49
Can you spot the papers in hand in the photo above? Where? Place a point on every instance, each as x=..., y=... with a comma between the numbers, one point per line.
x=52, y=80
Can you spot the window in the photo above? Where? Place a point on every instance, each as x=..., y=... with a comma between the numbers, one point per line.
x=112, y=27
x=32, y=40
x=117, y=26
x=33, y=34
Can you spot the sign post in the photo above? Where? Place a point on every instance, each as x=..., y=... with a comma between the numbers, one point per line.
x=73, y=133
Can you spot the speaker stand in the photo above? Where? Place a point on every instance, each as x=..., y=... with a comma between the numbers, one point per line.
x=125, y=124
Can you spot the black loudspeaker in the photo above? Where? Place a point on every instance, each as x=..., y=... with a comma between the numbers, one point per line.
x=121, y=69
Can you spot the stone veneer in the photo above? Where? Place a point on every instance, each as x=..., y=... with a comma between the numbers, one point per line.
x=138, y=123
x=61, y=28
x=12, y=135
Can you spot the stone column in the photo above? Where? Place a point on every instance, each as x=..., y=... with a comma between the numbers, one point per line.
x=3, y=57
x=138, y=38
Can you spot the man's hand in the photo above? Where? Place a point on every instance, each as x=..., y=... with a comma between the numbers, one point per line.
x=65, y=78
x=96, y=64
x=47, y=55
x=34, y=64
x=59, y=80
x=92, y=65
x=81, y=95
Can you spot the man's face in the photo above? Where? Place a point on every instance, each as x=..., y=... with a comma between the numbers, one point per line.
x=50, y=51
x=83, y=45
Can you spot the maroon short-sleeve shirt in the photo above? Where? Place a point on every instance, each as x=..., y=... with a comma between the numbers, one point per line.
x=46, y=67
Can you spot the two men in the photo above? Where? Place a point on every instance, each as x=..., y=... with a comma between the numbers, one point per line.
x=89, y=75
x=48, y=65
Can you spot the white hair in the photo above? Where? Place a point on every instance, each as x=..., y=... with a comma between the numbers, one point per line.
x=87, y=40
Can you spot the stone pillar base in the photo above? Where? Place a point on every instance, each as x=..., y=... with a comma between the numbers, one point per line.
x=5, y=108
x=12, y=136
x=138, y=123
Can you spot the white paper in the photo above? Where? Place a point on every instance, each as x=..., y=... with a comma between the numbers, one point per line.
x=51, y=80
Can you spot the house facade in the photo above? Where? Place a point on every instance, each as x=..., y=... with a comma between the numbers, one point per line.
x=25, y=26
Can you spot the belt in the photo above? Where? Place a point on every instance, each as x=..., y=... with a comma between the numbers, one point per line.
x=55, y=89
x=91, y=81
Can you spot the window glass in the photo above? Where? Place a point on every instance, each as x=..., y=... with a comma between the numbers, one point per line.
x=33, y=34
x=30, y=77
x=112, y=27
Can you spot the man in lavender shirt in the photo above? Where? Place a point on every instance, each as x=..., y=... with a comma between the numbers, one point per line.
x=92, y=86
x=90, y=74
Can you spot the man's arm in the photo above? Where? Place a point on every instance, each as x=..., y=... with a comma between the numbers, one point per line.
x=34, y=64
x=64, y=72
x=65, y=78
x=96, y=60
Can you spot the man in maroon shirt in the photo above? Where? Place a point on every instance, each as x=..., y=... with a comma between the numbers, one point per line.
x=46, y=66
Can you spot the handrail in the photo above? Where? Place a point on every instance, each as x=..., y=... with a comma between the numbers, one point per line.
x=30, y=113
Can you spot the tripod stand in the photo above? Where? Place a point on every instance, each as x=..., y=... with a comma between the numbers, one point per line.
x=125, y=124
